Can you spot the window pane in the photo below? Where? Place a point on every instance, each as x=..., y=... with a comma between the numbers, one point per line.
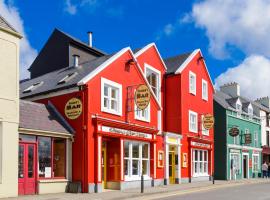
x=135, y=150
x=145, y=150
x=113, y=93
x=27, y=138
x=106, y=90
x=196, y=155
x=201, y=167
x=113, y=105
x=59, y=148
x=201, y=156
x=21, y=162
x=126, y=149
x=44, y=157
x=106, y=103
x=135, y=167
x=126, y=164
x=30, y=161
x=145, y=167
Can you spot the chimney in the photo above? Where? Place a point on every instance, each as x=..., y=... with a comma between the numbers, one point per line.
x=90, y=42
x=75, y=60
x=232, y=89
x=264, y=101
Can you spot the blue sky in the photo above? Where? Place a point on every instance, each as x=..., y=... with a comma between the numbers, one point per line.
x=222, y=30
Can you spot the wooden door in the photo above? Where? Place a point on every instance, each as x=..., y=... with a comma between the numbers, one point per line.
x=172, y=167
x=27, y=169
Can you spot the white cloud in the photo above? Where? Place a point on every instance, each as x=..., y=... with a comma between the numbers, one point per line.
x=240, y=23
x=252, y=75
x=70, y=8
x=27, y=52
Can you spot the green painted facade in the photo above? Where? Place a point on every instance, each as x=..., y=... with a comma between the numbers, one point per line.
x=234, y=158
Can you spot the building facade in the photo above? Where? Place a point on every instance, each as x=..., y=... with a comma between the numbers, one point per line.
x=237, y=135
x=9, y=108
x=115, y=142
x=189, y=97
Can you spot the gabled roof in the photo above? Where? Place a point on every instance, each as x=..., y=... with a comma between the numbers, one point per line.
x=139, y=51
x=50, y=80
x=40, y=117
x=6, y=26
x=228, y=102
x=179, y=63
x=174, y=62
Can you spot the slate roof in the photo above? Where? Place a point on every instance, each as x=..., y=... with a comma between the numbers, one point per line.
x=6, y=25
x=50, y=80
x=173, y=63
x=42, y=117
x=228, y=102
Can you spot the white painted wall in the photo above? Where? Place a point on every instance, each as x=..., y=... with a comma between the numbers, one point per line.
x=264, y=128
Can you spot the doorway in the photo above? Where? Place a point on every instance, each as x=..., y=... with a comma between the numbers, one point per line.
x=172, y=167
x=27, y=169
x=104, y=165
x=245, y=166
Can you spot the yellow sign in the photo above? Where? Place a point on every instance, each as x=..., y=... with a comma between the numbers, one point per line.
x=208, y=121
x=73, y=108
x=142, y=97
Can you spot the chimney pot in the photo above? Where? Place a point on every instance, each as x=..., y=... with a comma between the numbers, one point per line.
x=90, y=38
x=76, y=60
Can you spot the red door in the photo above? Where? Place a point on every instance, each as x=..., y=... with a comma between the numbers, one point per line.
x=27, y=168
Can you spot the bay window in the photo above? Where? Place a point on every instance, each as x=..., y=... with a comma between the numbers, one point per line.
x=136, y=160
x=111, y=97
x=200, y=162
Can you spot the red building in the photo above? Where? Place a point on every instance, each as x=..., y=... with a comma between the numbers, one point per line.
x=114, y=142
x=189, y=96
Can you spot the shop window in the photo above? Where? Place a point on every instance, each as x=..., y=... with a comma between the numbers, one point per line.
x=204, y=90
x=204, y=131
x=59, y=157
x=193, y=122
x=153, y=77
x=44, y=157
x=192, y=83
x=200, y=163
x=255, y=163
x=111, y=97
x=235, y=163
x=136, y=160
x=143, y=115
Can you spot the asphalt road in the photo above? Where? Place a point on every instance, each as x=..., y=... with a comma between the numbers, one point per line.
x=244, y=192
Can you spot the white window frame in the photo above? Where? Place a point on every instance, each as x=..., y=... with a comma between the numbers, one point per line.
x=189, y=121
x=258, y=162
x=198, y=174
x=118, y=86
x=138, y=113
x=192, y=90
x=256, y=139
x=130, y=176
x=250, y=112
x=238, y=111
x=205, y=95
x=204, y=131
x=158, y=73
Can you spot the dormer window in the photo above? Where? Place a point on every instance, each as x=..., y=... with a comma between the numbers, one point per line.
x=238, y=108
x=67, y=78
x=33, y=87
x=153, y=77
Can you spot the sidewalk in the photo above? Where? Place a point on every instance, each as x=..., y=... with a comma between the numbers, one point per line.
x=150, y=193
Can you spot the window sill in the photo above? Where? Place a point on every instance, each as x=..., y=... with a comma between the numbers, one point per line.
x=192, y=131
x=205, y=99
x=193, y=93
x=53, y=180
x=143, y=120
x=111, y=112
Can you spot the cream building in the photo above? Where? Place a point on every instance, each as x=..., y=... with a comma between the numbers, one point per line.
x=9, y=108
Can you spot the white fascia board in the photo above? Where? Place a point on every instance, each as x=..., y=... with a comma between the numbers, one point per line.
x=188, y=60
x=137, y=54
x=103, y=66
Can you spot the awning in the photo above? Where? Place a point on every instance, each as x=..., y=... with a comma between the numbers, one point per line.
x=266, y=150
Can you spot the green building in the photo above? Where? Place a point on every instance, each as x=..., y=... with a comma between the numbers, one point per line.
x=237, y=135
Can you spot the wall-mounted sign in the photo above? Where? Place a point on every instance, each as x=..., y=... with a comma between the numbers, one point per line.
x=248, y=138
x=160, y=159
x=73, y=108
x=208, y=121
x=142, y=97
x=184, y=160
x=198, y=144
x=234, y=131
x=125, y=132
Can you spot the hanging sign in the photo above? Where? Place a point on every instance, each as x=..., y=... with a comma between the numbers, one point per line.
x=208, y=121
x=248, y=139
x=234, y=131
x=73, y=108
x=142, y=97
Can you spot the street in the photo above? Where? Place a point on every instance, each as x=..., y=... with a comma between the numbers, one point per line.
x=247, y=192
